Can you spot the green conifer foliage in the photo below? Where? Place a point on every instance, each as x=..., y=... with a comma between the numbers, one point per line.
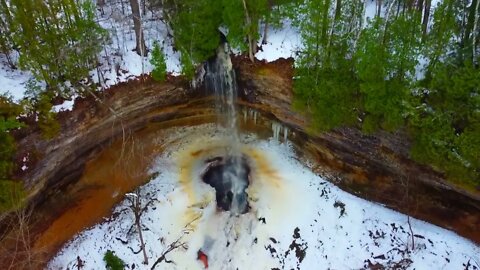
x=58, y=39
x=195, y=24
x=112, y=261
x=326, y=84
x=157, y=60
x=11, y=192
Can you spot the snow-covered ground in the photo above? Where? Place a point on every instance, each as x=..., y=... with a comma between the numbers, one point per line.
x=283, y=42
x=118, y=61
x=12, y=81
x=297, y=219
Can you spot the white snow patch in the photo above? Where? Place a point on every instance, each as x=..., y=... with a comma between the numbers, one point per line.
x=67, y=105
x=297, y=219
x=119, y=61
x=281, y=43
x=370, y=10
x=12, y=81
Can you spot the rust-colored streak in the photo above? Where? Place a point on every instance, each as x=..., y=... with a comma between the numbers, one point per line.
x=262, y=168
x=118, y=169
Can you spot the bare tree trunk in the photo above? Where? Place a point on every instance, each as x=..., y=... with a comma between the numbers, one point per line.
x=475, y=30
x=338, y=12
x=136, y=207
x=470, y=23
x=420, y=5
x=265, y=31
x=267, y=20
x=101, y=4
x=426, y=17
x=387, y=17
x=140, y=235
x=379, y=7
x=248, y=21
x=137, y=24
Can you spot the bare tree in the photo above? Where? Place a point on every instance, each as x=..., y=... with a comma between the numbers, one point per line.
x=137, y=24
x=379, y=8
x=173, y=246
x=252, y=43
x=475, y=29
x=178, y=243
x=136, y=207
x=21, y=255
x=101, y=5
x=426, y=17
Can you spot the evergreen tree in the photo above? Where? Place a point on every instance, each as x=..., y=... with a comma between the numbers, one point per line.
x=11, y=192
x=8, y=113
x=58, y=40
x=386, y=61
x=446, y=129
x=6, y=28
x=326, y=84
x=159, y=71
x=242, y=19
x=195, y=24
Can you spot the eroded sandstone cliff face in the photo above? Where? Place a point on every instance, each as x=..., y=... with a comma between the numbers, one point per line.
x=374, y=167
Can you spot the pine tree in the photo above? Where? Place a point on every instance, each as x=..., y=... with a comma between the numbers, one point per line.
x=327, y=86
x=195, y=24
x=58, y=40
x=8, y=113
x=7, y=27
x=244, y=35
x=159, y=71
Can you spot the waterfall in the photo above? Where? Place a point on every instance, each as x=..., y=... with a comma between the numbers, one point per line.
x=220, y=77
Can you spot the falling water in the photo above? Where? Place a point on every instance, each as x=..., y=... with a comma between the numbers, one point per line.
x=220, y=77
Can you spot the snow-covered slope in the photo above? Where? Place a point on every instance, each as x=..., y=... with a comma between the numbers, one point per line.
x=297, y=220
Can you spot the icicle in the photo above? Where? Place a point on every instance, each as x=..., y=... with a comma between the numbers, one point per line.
x=285, y=134
x=254, y=117
x=276, y=128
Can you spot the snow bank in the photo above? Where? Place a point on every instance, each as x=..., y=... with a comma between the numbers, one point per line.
x=297, y=219
x=283, y=42
x=12, y=81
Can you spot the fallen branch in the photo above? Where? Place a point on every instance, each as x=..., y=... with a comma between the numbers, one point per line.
x=173, y=246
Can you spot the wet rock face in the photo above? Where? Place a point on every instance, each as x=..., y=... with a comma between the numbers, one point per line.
x=229, y=176
x=375, y=167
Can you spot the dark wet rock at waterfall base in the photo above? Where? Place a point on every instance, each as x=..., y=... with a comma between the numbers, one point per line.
x=229, y=176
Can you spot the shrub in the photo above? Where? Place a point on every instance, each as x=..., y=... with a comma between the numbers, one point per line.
x=112, y=261
x=159, y=71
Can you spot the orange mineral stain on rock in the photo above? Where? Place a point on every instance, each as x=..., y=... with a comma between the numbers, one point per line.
x=119, y=168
